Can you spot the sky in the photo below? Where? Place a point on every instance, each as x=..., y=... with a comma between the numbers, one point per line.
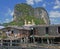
x=52, y=7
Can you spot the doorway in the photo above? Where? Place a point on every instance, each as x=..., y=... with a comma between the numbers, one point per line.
x=58, y=29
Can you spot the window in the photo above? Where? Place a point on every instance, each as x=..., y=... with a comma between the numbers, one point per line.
x=47, y=30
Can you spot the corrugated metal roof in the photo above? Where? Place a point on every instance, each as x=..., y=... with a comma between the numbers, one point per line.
x=18, y=27
x=1, y=27
x=28, y=27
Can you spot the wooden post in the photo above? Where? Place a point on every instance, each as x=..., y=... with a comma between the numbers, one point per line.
x=42, y=40
x=24, y=40
x=47, y=41
x=10, y=42
x=21, y=40
x=51, y=41
x=1, y=42
x=33, y=39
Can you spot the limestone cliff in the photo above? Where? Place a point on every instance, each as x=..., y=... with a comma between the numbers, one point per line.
x=24, y=10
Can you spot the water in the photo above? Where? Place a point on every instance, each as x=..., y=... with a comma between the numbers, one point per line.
x=15, y=47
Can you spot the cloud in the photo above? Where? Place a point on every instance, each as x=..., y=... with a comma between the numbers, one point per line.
x=54, y=21
x=32, y=2
x=44, y=5
x=56, y=7
x=8, y=15
x=7, y=20
x=54, y=14
x=38, y=1
x=9, y=12
x=54, y=17
x=12, y=12
x=57, y=4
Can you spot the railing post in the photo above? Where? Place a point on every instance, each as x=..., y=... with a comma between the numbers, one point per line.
x=10, y=42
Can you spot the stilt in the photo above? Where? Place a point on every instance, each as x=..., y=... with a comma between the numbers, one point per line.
x=24, y=40
x=10, y=42
x=47, y=41
x=51, y=41
x=33, y=39
x=21, y=40
x=1, y=42
x=42, y=40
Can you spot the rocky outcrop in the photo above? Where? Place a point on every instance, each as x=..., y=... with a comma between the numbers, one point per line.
x=40, y=12
x=23, y=10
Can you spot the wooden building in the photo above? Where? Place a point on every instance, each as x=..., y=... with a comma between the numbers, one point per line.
x=48, y=34
x=43, y=34
x=15, y=34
